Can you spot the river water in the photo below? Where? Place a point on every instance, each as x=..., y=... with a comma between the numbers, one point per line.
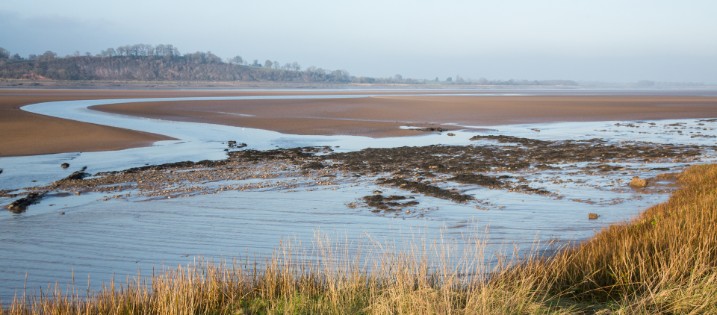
x=70, y=239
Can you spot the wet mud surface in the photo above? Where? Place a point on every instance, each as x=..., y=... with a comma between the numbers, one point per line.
x=512, y=185
x=495, y=162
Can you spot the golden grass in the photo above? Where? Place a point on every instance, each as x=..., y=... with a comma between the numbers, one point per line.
x=662, y=262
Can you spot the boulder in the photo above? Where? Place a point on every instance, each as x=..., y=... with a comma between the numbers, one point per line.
x=638, y=182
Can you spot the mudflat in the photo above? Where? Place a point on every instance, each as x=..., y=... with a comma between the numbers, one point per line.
x=382, y=116
x=379, y=115
x=25, y=133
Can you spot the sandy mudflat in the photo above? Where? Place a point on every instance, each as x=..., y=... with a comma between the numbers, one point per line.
x=382, y=116
x=26, y=133
x=23, y=133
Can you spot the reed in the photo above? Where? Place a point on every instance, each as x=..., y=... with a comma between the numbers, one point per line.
x=664, y=261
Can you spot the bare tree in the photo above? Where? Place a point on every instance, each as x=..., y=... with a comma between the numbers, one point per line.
x=237, y=60
x=4, y=53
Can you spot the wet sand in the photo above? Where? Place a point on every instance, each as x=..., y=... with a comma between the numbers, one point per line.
x=379, y=116
x=29, y=134
x=26, y=133
x=382, y=116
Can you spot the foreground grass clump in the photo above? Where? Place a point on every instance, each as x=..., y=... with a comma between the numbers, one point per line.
x=663, y=262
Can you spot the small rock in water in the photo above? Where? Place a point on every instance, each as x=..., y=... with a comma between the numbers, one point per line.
x=450, y=134
x=593, y=216
x=232, y=144
x=20, y=205
x=638, y=182
x=0, y=170
x=65, y=165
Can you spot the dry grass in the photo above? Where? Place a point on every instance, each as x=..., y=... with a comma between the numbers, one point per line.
x=662, y=262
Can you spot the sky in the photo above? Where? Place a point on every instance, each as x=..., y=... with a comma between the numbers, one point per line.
x=584, y=40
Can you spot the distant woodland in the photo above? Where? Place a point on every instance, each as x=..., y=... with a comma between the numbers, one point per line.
x=143, y=62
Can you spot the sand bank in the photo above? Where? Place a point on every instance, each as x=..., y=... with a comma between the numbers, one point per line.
x=378, y=116
x=382, y=116
x=26, y=133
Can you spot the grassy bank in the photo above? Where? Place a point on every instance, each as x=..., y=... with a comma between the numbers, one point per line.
x=662, y=262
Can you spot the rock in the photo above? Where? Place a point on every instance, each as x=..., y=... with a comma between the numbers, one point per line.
x=315, y=165
x=76, y=175
x=431, y=129
x=450, y=134
x=638, y=182
x=593, y=216
x=65, y=165
x=20, y=205
x=0, y=170
x=478, y=179
x=234, y=145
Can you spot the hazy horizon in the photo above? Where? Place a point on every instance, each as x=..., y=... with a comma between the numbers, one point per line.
x=609, y=40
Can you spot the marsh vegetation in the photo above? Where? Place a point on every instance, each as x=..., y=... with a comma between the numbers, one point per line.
x=664, y=261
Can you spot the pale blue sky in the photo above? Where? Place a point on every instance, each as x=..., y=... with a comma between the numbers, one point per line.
x=606, y=40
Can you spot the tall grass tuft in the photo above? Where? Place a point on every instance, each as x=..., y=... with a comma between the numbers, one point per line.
x=662, y=262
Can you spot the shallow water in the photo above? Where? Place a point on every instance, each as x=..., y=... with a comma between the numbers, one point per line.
x=66, y=236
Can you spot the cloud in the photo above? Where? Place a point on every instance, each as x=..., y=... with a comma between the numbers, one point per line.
x=36, y=35
x=520, y=39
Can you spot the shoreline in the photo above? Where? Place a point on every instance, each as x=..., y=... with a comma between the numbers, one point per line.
x=444, y=182
x=588, y=274
x=381, y=115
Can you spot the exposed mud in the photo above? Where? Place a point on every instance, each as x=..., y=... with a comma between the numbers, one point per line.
x=20, y=205
x=480, y=179
x=390, y=203
x=426, y=189
x=436, y=171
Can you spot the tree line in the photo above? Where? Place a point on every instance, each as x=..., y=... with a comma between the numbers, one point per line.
x=159, y=63
x=142, y=62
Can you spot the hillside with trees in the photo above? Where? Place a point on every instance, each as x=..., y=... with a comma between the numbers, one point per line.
x=158, y=63
x=143, y=62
